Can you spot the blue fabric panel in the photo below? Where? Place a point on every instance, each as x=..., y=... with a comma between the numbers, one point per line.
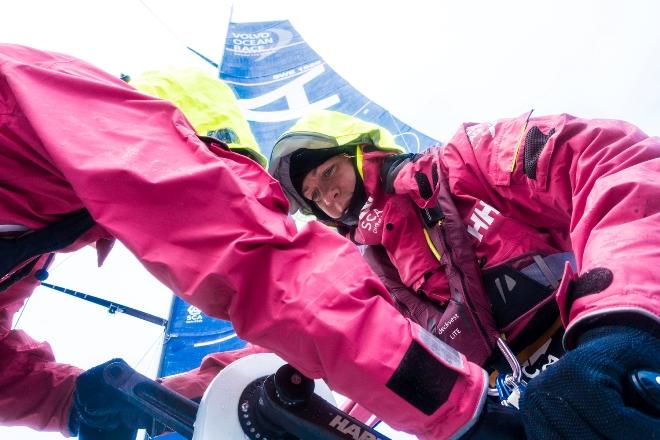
x=191, y=335
x=278, y=78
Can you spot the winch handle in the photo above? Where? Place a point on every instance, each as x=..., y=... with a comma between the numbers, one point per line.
x=286, y=402
x=165, y=406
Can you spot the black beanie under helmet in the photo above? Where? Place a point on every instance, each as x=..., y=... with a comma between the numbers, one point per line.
x=305, y=160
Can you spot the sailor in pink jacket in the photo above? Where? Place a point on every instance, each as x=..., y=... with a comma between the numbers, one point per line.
x=213, y=226
x=210, y=224
x=559, y=216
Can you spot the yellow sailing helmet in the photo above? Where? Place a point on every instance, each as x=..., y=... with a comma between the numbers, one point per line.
x=329, y=131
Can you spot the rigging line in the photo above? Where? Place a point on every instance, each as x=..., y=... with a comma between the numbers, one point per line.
x=181, y=40
x=62, y=261
x=177, y=37
x=162, y=22
x=151, y=347
x=27, y=300
x=202, y=56
x=49, y=259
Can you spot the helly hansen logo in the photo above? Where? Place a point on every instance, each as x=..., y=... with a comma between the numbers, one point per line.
x=481, y=219
x=352, y=430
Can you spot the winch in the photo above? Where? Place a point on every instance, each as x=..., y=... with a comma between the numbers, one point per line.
x=258, y=397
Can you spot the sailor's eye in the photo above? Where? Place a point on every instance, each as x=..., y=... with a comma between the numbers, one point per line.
x=328, y=171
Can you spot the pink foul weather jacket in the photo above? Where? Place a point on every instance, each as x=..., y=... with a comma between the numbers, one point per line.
x=558, y=183
x=212, y=226
x=524, y=186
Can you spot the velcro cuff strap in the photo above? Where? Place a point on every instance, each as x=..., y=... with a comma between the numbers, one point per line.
x=422, y=379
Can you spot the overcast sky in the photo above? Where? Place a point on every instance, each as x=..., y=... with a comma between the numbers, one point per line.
x=433, y=64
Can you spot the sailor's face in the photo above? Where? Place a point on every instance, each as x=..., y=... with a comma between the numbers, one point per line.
x=330, y=185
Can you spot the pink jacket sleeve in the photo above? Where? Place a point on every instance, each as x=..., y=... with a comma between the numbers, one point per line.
x=216, y=231
x=35, y=390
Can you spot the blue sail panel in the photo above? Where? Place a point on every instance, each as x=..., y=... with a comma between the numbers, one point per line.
x=191, y=335
x=278, y=78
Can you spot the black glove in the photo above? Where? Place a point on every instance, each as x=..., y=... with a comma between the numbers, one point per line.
x=497, y=422
x=584, y=394
x=101, y=412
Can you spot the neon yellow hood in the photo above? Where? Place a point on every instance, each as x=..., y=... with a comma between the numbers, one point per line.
x=208, y=104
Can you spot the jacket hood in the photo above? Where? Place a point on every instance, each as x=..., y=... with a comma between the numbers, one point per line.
x=208, y=104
